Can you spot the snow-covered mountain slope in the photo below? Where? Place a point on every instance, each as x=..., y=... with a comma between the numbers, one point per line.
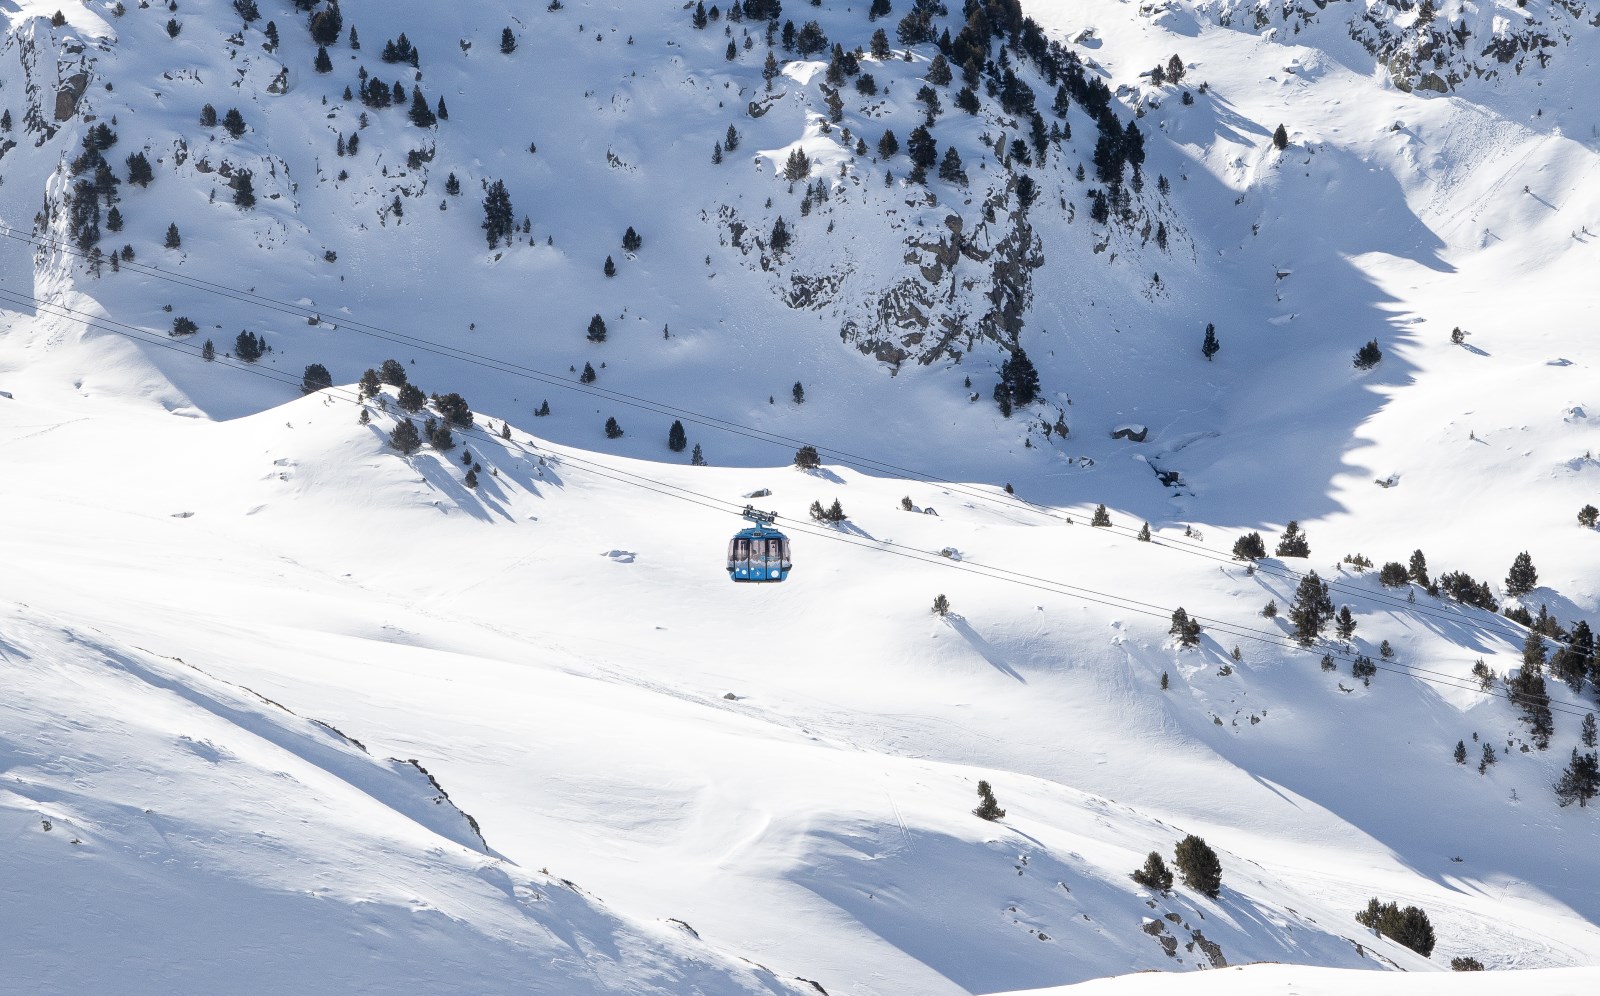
x=786, y=772
x=557, y=648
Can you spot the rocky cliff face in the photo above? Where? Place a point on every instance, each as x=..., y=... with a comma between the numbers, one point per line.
x=1432, y=46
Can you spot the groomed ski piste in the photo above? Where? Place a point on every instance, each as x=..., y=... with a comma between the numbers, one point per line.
x=288, y=710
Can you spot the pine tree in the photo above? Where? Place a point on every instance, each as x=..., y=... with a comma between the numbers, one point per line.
x=1101, y=517
x=421, y=115
x=1588, y=515
x=1345, y=624
x=939, y=71
x=233, y=123
x=499, y=220
x=597, y=328
x=1198, y=864
x=405, y=437
x=208, y=352
x=471, y=480
x=807, y=458
x=411, y=398
x=244, y=191
x=950, y=168
x=393, y=373
x=1311, y=609
x=798, y=393
x=1393, y=575
x=508, y=41
x=941, y=605
x=610, y=268
x=1144, y=533
x=1155, y=874
x=443, y=113
x=1580, y=782
x=587, y=376
x=452, y=186
x=888, y=145
x=1522, y=578
x=677, y=439
x=369, y=385
x=315, y=379
x=780, y=238
x=1368, y=356
x=696, y=458
x=1588, y=734
x=173, y=241
x=1461, y=752
x=1280, y=138
x=1293, y=542
x=613, y=430
x=322, y=64
x=1249, y=547
x=1409, y=926
x=797, y=166
x=139, y=172
x=1185, y=628
x=631, y=240
x=988, y=808
x=1210, y=346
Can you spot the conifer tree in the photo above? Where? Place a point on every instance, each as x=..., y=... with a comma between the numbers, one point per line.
x=1588, y=515
x=369, y=384
x=610, y=268
x=1144, y=533
x=941, y=605
x=613, y=430
x=988, y=808
x=597, y=328
x=208, y=352
x=677, y=439
x=411, y=398
x=1522, y=578
x=798, y=393
x=1368, y=356
x=587, y=376
x=1588, y=732
x=405, y=437
x=1345, y=624
x=1249, y=547
x=323, y=64
x=780, y=238
x=499, y=220
x=315, y=379
x=1280, y=138
x=1293, y=542
x=1185, y=628
x=233, y=123
x=393, y=373
x=1210, y=346
x=696, y=458
x=1461, y=752
x=1155, y=874
x=139, y=172
x=173, y=240
x=1101, y=517
x=1311, y=609
x=1198, y=864
x=508, y=41
x=421, y=115
x=1580, y=782
x=631, y=240
x=807, y=458
x=1488, y=759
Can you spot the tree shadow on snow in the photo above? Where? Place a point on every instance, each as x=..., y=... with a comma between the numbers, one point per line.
x=985, y=649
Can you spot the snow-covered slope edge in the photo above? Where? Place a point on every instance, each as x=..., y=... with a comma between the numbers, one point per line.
x=166, y=830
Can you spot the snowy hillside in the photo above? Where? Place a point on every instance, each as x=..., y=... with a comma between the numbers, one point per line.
x=262, y=664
